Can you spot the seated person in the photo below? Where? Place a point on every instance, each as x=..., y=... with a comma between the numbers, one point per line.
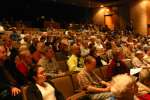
x=124, y=87
x=138, y=61
x=39, y=89
x=37, y=55
x=75, y=61
x=50, y=64
x=116, y=66
x=144, y=78
x=92, y=83
x=8, y=86
x=146, y=57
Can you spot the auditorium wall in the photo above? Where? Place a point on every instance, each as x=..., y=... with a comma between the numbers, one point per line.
x=140, y=15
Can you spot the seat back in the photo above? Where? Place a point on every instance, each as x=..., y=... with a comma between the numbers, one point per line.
x=99, y=72
x=64, y=85
x=103, y=70
x=24, y=91
x=63, y=66
x=76, y=86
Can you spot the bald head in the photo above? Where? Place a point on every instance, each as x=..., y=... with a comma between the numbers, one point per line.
x=90, y=63
x=75, y=49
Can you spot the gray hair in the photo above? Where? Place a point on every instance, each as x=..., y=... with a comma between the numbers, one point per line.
x=120, y=85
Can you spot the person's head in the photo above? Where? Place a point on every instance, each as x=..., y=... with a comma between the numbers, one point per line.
x=2, y=53
x=43, y=38
x=76, y=50
x=25, y=55
x=23, y=47
x=37, y=74
x=8, y=42
x=113, y=44
x=48, y=53
x=147, y=50
x=85, y=43
x=27, y=38
x=123, y=87
x=78, y=40
x=90, y=63
x=64, y=44
x=93, y=39
x=40, y=46
x=144, y=77
x=139, y=54
x=116, y=54
x=35, y=40
x=100, y=51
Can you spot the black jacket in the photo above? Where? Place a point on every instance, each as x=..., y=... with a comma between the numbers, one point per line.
x=6, y=80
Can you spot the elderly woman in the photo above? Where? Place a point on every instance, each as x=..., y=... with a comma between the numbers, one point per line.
x=124, y=87
x=39, y=89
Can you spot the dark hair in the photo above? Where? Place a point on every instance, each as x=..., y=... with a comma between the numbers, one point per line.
x=32, y=73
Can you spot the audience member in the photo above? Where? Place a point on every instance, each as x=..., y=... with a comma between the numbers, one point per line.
x=91, y=82
x=75, y=61
x=8, y=86
x=124, y=87
x=40, y=88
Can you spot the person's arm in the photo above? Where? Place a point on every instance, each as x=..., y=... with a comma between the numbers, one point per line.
x=136, y=63
x=11, y=82
x=86, y=85
x=106, y=83
x=91, y=88
x=15, y=91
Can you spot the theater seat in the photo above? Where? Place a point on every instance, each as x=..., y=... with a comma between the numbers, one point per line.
x=75, y=82
x=24, y=90
x=62, y=66
x=67, y=88
x=64, y=85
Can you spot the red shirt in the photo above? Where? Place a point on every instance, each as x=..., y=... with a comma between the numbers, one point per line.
x=22, y=68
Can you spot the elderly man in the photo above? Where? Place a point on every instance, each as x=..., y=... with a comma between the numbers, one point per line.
x=89, y=81
x=138, y=62
x=75, y=61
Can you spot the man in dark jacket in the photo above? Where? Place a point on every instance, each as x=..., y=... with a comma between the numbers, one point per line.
x=8, y=88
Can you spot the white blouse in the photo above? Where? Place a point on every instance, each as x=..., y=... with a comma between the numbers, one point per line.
x=47, y=91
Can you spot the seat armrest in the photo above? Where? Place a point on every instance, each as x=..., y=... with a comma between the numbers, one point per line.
x=77, y=95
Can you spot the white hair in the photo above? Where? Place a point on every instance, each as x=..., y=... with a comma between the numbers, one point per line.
x=121, y=85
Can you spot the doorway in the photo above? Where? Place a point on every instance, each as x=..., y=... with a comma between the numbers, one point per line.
x=108, y=20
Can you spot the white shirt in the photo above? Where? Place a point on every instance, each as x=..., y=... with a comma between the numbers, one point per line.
x=47, y=91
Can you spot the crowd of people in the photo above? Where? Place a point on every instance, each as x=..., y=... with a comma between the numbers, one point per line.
x=30, y=57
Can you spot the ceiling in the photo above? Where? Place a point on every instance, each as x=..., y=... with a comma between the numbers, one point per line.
x=83, y=3
x=89, y=3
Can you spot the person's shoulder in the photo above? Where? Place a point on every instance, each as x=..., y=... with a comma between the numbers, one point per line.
x=81, y=73
x=31, y=87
